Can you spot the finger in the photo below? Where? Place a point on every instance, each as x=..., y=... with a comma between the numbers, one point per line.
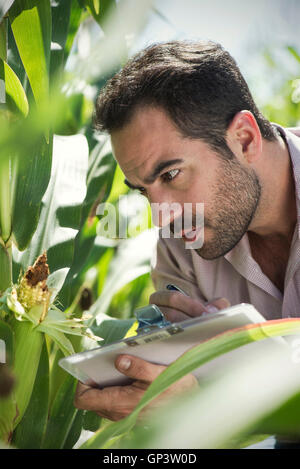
x=217, y=304
x=138, y=369
x=178, y=301
x=173, y=315
x=89, y=398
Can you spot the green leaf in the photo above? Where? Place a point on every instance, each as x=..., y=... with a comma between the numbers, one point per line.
x=62, y=416
x=60, y=214
x=27, y=356
x=8, y=408
x=132, y=260
x=16, y=99
x=3, y=51
x=59, y=338
x=99, y=182
x=75, y=431
x=5, y=271
x=294, y=53
x=6, y=334
x=30, y=431
x=4, y=7
x=98, y=8
x=31, y=25
x=112, y=330
x=91, y=421
x=284, y=420
x=100, y=177
x=61, y=10
x=32, y=178
x=192, y=359
x=74, y=23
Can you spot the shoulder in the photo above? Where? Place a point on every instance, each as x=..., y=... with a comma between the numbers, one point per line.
x=294, y=130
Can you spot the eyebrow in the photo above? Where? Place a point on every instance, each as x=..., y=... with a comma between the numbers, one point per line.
x=155, y=173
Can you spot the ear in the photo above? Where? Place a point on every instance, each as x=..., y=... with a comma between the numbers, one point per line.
x=244, y=137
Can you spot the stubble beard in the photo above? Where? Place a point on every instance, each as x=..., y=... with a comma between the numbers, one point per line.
x=237, y=195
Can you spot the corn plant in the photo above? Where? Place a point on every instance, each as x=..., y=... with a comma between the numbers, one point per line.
x=49, y=190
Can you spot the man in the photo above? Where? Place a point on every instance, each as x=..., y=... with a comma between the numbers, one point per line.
x=185, y=129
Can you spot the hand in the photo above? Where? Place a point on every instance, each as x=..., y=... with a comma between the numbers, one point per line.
x=116, y=402
x=178, y=307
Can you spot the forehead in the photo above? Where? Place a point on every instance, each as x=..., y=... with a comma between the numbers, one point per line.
x=149, y=136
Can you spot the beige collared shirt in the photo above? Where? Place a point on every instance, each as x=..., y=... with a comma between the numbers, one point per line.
x=236, y=276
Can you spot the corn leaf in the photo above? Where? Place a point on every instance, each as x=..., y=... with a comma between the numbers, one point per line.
x=99, y=182
x=59, y=338
x=228, y=409
x=191, y=360
x=16, y=99
x=30, y=431
x=98, y=8
x=131, y=261
x=7, y=405
x=27, y=356
x=91, y=421
x=5, y=271
x=4, y=7
x=61, y=10
x=31, y=25
x=75, y=430
x=112, y=330
x=74, y=23
x=60, y=213
x=32, y=177
x=6, y=334
x=62, y=416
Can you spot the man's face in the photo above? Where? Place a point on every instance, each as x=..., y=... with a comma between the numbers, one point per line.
x=169, y=168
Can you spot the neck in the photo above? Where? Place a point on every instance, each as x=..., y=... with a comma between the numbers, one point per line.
x=276, y=214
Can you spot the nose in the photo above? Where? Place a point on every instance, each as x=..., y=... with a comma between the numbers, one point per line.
x=164, y=210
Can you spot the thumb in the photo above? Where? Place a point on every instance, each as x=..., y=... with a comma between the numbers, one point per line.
x=138, y=369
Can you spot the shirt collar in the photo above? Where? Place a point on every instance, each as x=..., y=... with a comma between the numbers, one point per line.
x=242, y=250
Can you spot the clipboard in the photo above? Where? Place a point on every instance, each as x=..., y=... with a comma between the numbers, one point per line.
x=159, y=346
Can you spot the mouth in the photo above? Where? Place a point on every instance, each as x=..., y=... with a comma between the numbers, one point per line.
x=192, y=235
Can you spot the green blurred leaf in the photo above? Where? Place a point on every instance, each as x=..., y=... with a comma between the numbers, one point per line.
x=191, y=360
x=30, y=431
x=62, y=416
x=31, y=25
x=294, y=53
x=16, y=99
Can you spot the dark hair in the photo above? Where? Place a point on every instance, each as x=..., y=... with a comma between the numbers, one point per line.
x=198, y=84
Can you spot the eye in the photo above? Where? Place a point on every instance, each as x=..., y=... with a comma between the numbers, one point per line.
x=142, y=191
x=170, y=175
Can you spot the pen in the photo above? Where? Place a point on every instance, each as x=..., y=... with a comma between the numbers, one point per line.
x=171, y=287
x=210, y=308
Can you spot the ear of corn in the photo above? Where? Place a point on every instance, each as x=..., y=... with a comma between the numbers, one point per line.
x=27, y=307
